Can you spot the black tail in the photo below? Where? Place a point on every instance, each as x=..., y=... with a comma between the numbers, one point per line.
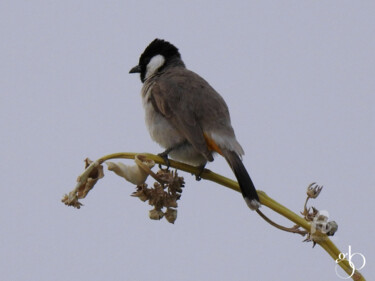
x=246, y=184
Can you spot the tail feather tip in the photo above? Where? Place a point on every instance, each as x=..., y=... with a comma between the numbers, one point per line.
x=253, y=204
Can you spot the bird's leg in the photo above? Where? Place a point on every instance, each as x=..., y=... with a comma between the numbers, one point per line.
x=201, y=169
x=165, y=153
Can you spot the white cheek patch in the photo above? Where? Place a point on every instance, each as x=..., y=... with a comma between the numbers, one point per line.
x=155, y=63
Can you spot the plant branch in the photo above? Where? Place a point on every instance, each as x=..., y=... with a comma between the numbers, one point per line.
x=319, y=237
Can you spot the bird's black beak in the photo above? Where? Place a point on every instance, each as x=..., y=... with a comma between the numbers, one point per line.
x=135, y=69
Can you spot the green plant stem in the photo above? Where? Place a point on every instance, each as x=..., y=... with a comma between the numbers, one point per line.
x=320, y=238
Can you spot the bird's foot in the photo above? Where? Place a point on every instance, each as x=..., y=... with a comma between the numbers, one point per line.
x=201, y=169
x=164, y=155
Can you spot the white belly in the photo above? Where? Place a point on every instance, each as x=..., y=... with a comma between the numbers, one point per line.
x=159, y=128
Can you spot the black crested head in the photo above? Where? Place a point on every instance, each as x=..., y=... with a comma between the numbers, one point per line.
x=159, y=47
x=169, y=55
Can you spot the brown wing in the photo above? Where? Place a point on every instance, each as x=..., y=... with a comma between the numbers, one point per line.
x=190, y=104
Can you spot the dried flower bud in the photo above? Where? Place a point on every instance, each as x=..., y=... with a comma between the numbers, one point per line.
x=155, y=214
x=313, y=190
x=95, y=175
x=141, y=192
x=134, y=174
x=319, y=223
x=171, y=201
x=71, y=202
x=171, y=215
x=85, y=182
x=332, y=227
x=310, y=213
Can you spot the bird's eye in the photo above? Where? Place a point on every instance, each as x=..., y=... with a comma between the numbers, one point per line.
x=146, y=60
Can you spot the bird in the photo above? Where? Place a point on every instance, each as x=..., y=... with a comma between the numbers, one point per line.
x=187, y=116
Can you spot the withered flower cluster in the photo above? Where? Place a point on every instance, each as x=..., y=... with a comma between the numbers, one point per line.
x=163, y=195
x=318, y=219
x=85, y=183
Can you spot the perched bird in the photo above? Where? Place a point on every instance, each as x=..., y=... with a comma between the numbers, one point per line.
x=186, y=116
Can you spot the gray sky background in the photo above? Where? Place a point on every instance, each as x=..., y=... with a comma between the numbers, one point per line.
x=298, y=77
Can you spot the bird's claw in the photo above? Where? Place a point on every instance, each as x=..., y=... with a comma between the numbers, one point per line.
x=166, y=160
x=201, y=169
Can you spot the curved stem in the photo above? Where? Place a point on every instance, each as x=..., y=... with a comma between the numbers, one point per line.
x=294, y=229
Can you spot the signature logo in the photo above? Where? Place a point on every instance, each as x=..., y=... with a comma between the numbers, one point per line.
x=349, y=256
